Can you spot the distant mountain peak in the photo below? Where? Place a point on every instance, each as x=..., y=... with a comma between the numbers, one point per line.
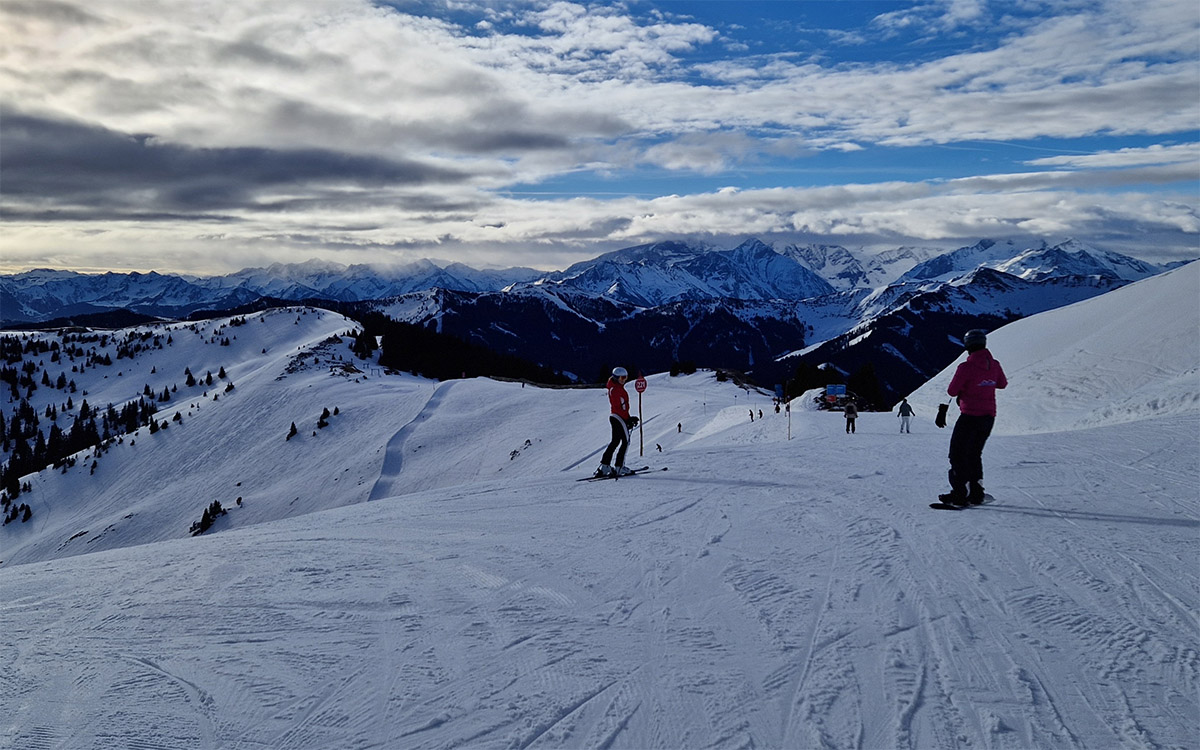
x=644, y=275
x=1067, y=258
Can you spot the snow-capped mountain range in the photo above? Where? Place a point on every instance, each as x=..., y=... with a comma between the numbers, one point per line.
x=644, y=275
x=425, y=572
x=44, y=294
x=907, y=330
x=753, y=307
x=1070, y=258
x=668, y=272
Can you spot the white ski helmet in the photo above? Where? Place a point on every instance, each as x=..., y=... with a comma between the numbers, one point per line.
x=619, y=372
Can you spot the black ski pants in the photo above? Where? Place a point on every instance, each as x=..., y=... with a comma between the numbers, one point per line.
x=619, y=442
x=966, y=450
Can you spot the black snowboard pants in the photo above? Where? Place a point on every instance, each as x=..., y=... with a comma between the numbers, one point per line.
x=966, y=450
x=619, y=442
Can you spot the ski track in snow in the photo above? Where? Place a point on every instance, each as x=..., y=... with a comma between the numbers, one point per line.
x=762, y=592
x=388, y=484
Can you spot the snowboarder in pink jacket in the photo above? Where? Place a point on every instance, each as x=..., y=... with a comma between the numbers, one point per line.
x=974, y=386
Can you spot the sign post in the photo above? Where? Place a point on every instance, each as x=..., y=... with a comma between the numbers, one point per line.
x=639, y=385
x=781, y=399
x=788, y=406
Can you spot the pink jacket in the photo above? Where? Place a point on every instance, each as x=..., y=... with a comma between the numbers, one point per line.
x=975, y=382
x=618, y=399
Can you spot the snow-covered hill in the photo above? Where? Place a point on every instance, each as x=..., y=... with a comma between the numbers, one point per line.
x=782, y=584
x=1125, y=356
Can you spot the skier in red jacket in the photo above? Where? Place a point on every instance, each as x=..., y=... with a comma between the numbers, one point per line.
x=621, y=423
x=974, y=386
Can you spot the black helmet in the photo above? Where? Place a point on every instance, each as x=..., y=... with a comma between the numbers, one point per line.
x=975, y=339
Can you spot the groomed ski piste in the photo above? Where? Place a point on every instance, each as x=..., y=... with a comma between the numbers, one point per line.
x=424, y=572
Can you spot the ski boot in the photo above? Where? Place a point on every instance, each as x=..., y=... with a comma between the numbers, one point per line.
x=624, y=471
x=604, y=470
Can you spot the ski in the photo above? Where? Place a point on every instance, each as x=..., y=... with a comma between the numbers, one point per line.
x=945, y=506
x=641, y=470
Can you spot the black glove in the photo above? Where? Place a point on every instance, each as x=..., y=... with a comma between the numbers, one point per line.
x=940, y=419
x=632, y=422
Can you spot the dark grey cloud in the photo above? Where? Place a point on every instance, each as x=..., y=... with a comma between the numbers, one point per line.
x=63, y=13
x=251, y=52
x=67, y=164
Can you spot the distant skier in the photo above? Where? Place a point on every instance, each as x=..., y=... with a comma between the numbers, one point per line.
x=621, y=423
x=974, y=387
x=851, y=414
x=906, y=415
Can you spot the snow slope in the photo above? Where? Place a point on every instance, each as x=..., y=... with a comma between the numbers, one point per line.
x=1128, y=355
x=461, y=590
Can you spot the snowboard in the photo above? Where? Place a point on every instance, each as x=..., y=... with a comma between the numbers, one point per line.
x=943, y=506
x=641, y=470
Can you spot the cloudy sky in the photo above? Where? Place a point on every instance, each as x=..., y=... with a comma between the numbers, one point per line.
x=176, y=135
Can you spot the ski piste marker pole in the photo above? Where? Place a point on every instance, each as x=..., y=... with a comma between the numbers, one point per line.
x=639, y=385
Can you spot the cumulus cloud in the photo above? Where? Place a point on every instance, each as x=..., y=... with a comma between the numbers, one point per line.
x=273, y=126
x=939, y=16
x=552, y=233
x=352, y=76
